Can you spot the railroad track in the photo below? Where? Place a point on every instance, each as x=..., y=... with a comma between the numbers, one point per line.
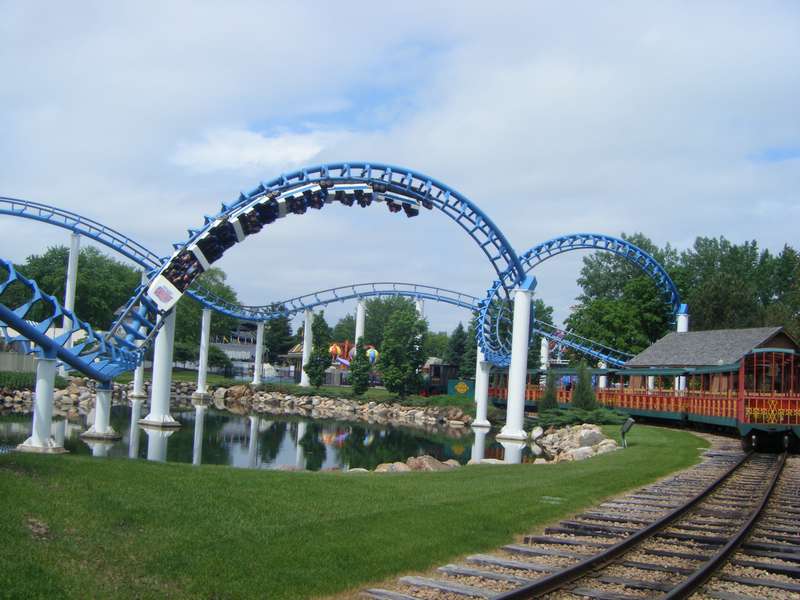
x=728, y=529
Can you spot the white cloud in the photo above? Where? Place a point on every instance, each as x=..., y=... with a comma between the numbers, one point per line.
x=553, y=117
x=251, y=152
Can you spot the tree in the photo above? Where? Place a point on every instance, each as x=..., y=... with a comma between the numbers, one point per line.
x=469, y=359
x=436, y=344
x=549, y=400
x=359, y=370
x=345, y=329
x=456, y=346
x=217, y=359
x=378, y=312
x=320, y=358
x=402, y=353
x=583, y=396
x=277, y=335
x=190, y=312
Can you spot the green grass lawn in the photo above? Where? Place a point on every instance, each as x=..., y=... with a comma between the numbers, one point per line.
x=75, y=527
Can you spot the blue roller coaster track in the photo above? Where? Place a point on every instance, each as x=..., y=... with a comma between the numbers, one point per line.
x=399, y=189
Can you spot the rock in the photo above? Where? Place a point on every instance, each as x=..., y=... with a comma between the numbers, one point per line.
x=537, y=433
x=426, y=463
x=219, y=393
x=452, y=462
x=541, y=461
x=357, y=470
x=395, y=467
x=536, y=450
x=606, y=446
x=237, y=392
x=589, y=435
x=581, y=453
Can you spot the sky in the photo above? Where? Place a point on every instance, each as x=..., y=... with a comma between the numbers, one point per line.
x=674, y=119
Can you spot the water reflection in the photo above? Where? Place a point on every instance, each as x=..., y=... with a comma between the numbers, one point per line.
x=209, y=436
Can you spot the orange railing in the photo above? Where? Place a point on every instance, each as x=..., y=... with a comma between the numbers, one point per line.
x=772, y=408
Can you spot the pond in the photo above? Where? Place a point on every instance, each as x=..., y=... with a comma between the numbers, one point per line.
x=261, y=441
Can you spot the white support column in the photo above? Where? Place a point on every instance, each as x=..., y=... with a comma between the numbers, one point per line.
x=139, y=393
x=518, y=370
x=252, y=445
x=69, y=289
x=602, y=381
x=482, y=370
x=258, y=366
x=651, y=383
x=544, y=359
x=201, y=393
x=682, y=327
x=157, y=443
x=479, y=445
x=512, y=451
x=133, y=435
x=420, y=304
x=102, y=430
x=162, y=377
x=361, y=315
x=199, y=425
x=300, y=457
x=40, y=439
x=308, y=338
x=60, y=431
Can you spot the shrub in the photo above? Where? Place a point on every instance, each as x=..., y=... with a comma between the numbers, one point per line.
x=575, y=416
x=359, y=370
x=583, y=397
x=549, y=400
x=14, y=380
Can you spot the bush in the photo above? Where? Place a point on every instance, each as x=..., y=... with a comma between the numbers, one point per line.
x=14, y=380
x=575, y=416
x=359, y=370
x=583, y=397
x=549, y=400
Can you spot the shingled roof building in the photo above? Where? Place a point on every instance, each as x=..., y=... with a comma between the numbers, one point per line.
x=713, y=348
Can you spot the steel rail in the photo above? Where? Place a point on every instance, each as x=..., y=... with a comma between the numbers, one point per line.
x=561, y=578
x=707, y=569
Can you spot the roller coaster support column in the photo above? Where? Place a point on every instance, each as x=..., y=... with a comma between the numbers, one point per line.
x=518, y=369
x=199, y=424
x=308, y=336
x=101, y=430
x=682, y=327
x=544, y=359
x=361, y=313
x=420, y=304
x=258, y=366
x=602, y=380
x=482, y=369
x=72, y=280
x=162, y=377
x=139, y=393
x=41, y=440
x=201, y=393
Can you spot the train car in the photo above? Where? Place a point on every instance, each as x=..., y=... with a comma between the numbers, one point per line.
x=743, y=380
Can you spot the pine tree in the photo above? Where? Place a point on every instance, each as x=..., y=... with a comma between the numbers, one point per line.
x=470, y=357
x=359, y=370
x=583, y=395
x=402, y=353
x=320, y=358
x=549, y=400
x=456, y=346
x=317, y=363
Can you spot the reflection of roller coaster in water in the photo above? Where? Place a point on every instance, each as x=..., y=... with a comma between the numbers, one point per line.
x=504, y=315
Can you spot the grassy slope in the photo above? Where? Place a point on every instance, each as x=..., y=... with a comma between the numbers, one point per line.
x=132, y=529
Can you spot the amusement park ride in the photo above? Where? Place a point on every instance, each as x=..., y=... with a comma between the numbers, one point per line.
x=505, y=321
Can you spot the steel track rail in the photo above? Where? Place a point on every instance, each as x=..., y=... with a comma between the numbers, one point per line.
x=701, y=575
x=561, y=578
